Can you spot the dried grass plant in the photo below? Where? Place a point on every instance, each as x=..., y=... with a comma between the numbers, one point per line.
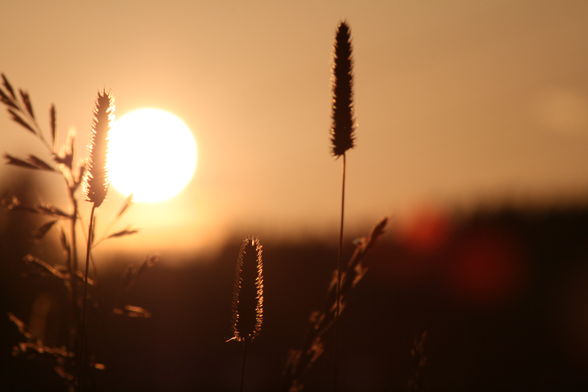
x=345, y=279
x=247, y=314
x=72, y=358
x=342, y=139
x=73, y=361
x=339, y=289
x=95, y=190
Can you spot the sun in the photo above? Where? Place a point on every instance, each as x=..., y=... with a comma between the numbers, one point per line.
x=152, y=154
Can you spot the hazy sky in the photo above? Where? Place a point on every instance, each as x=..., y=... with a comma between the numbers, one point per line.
x=457, y=102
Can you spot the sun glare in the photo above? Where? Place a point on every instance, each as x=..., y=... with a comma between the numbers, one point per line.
x=152, y=154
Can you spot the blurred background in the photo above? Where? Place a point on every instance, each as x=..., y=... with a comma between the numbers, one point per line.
x=472, y=135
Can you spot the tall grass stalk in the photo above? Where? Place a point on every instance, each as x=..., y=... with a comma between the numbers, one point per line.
x=243, y=364
x=342, y=138
x=248, y=298
x=20, y=108
x=95, y=189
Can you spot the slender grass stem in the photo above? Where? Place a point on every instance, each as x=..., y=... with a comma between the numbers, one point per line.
x=84, y=343
x=73, y=270
x=74, y=220
x=338, y=278
x=243, y=363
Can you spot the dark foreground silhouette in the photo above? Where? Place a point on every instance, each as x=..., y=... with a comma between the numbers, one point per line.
x=502, y=296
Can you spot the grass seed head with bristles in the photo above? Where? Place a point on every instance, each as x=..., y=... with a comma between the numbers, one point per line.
x=96, y=181
x=248, y=292
x=343, y=128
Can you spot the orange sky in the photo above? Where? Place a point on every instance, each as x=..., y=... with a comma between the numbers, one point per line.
x=457, y=102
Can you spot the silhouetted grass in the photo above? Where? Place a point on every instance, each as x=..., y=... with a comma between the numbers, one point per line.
x=340, y=288
x=95, y=190
x=342, y=138
x=72, y=359
x=248, y=297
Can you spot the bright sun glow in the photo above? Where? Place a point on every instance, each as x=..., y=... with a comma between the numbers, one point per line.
x=151, y=154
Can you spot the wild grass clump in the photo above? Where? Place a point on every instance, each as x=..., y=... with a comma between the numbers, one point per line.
x=248, y=285
x=72, y=361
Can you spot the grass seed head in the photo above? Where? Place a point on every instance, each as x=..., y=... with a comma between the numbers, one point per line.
x=96, y=181
x=248, y=292
x=343, y=128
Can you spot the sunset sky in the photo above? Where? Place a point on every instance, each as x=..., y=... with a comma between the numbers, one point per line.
x=458, y=103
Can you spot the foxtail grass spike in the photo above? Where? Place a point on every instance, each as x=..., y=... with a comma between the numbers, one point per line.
x=248, y=292
x=343, y=128
x=96, y=182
